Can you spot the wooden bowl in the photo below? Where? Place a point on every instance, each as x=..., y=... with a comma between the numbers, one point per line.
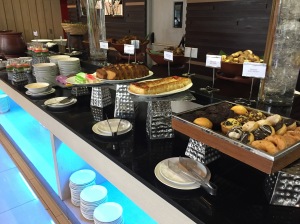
x=231, y=69
x=158, y=58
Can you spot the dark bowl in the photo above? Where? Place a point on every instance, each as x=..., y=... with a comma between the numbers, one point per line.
x=158, y=58
x=231, y=69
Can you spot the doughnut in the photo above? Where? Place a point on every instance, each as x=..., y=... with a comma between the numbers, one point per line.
x=263, y=132
x=250, y=126
x=247, y=137
x=297, y=129
x=228, y=124
x=235, y=133
x=256, y=116
x=278, y=140
x=290, y=124
x=239, y=109
x=204, y=122
x=293, y=134
x=263, y=122
x=265, y=145
x=274, y=119
x=280, y=128
x=289, y=140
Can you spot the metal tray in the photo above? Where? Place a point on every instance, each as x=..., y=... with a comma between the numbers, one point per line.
x=258, y=159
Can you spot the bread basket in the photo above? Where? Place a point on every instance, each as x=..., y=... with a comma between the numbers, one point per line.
x=75, y=28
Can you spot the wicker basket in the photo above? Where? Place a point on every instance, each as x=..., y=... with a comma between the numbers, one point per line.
x=74, y=28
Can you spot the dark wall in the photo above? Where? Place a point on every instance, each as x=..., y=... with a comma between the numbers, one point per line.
x=228, y=26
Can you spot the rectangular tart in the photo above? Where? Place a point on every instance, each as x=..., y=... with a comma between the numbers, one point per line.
x=160, y=85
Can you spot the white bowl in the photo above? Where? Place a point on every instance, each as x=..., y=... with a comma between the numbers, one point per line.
x=37, y=87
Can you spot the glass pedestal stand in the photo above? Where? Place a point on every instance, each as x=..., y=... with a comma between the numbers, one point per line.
x=159, y=120
x=124, y=105
x=100, y=98
x=200, y=152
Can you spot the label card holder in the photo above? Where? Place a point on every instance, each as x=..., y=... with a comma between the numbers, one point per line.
x=136, y=44
x=168, y=56
x=213, y=61
x=254, y=70
x=190, y=52
x=104, y=45
x=129, y=49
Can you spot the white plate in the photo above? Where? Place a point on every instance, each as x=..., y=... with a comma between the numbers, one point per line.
x=41, y=40
x=52, y=102
x=99, y=132
x=103, y=126
x=52, y=90
x=158, y=175
x=93, y=193
x=108, y=212
x=171, y=176
x=82, y=177
x=165, y=93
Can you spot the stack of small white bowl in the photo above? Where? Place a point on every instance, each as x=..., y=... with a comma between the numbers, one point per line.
x=78, y=181
x=69, y=66
x=56, y=58
x=108, y=213
x=45, y=72
x=90, y=198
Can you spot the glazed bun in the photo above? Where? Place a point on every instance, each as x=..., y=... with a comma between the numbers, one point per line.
x=228, y=124
x=239, y=109
x=250, y=126
x=274, y=119
x=263, y=122
x=204, y=122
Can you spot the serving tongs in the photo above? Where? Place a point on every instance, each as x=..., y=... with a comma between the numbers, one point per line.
x=113, y=133
x=187, y=168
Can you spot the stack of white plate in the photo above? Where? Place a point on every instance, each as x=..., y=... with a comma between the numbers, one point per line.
x=78, y=181
x=90, y=198
x=108, y=213
x=56, y=58
x=69, y=66
x=45, y=72
x=115, y=125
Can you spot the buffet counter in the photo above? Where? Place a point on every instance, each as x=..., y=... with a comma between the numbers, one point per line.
x=127, y=163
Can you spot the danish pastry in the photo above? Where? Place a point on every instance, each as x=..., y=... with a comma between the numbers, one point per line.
x=265, y=146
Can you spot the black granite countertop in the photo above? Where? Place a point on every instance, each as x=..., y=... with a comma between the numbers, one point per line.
x=240, y=198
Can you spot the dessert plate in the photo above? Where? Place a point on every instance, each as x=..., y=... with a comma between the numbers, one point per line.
x=104, y=132
x=54, y=102
x=163, y=94
x=52, y=90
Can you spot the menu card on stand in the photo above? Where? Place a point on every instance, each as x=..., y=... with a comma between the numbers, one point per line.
x=252, y=70
x=190, y=52
x=136, y=44
x=129, y=49
x=168, y=56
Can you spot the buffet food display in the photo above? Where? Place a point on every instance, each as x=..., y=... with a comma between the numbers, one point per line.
x=265, y=141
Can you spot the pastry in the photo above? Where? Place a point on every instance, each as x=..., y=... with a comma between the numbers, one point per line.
x=256, y=115
x=122, y=71
x=242, y=119
x=278, y=140
x=294, y=134
x=290, y=124
x=235, y=133
x=265, y=146
x=204, y=122
x=263, y=132
x=159, y=85
x=263, y=122
x=228, y=124
x=80, y=78
x=239, y=109
x=274, y=119
x=250, y=126
x=247, y=137
x=289, y=140
x=280, y=127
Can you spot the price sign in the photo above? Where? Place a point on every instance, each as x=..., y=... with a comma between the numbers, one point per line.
x=213, y=61
x=136, y=44
x=190, y=52
x=254, y=70
x=128, y=49
x=104, y=45
x=168, y=55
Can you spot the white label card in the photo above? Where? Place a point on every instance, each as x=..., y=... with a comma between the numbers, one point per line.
x=128, y=49
x=35, y=33
x=254, y=70
x=136, y=44
x=168, y=55
x=213, y=61
x=190, y=52
x=104, y=45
